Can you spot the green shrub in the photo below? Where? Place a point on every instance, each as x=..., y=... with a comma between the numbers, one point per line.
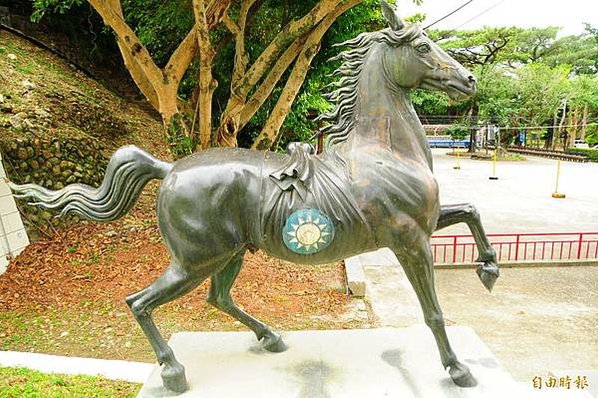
x=592, y=154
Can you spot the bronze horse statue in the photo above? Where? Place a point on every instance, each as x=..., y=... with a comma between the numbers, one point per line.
x=372, y=187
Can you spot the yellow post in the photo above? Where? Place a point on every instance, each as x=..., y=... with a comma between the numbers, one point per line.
x=494, y=157
x=458, y=166
x=556, y=193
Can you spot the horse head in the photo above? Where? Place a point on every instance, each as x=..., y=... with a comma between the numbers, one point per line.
x=416, y=61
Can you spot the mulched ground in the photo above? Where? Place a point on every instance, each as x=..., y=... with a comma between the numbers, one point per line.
x=66, y=295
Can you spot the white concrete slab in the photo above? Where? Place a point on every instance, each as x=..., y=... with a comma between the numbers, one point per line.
x=379, y=257
x=13, y=237
x=4, y=189
x=338, y=363
x=355, y=277
x=136, y=372
x=354, y=268
x=391, y=296
x=7, y=204
x=11, y=221
x=17, y=241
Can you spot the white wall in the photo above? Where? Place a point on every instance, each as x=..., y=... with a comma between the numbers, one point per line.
x=13, y=238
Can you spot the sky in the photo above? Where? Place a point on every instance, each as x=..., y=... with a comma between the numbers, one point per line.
x=569, y=14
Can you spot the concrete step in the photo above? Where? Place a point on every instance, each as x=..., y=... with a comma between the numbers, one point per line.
x=334, y=363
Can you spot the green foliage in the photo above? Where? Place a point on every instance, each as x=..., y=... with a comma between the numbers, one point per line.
x=41, y=7
x=540, y=91
x=580, y=52
x=592, y=134
x=524, y=74
x=160, y=25
x=299, y=124
x=592, y=154
x=416, y=18
x=584, y=91
x=430, y=102
x=479, y=47
x=533, y=45
x=458, y=132
x=180, y=143
x=496, y=94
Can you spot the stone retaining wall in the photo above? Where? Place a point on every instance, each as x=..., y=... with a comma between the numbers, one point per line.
x=52, y=164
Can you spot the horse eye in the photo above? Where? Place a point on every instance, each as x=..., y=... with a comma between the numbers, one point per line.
x=423, y=48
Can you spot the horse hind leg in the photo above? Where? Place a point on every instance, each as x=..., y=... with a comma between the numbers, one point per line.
x=219, y=296
x=416, y=260
x=173, y=283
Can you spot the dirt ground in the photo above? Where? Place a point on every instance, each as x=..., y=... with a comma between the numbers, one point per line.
x=66, y=295
x=535, y=321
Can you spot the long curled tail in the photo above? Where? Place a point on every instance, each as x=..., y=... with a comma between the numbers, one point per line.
x=129, y=170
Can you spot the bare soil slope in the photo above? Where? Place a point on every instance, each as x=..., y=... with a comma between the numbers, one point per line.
x=65, y=294
x=42, y=96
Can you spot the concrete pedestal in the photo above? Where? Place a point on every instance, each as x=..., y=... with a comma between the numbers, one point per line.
x=338, y=363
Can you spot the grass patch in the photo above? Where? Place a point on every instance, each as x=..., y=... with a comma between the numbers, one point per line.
x=26, y=69
x=25, y=383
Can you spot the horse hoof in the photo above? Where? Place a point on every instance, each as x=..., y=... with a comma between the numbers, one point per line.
x=273, y=343
x=462, y=376
x=173, y=378
x=488, y=274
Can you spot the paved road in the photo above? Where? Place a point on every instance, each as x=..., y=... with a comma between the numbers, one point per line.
x=520, y=200
x=537, y=320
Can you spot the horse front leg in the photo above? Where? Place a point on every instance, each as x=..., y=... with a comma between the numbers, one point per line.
x=488, y=270
x=416, y=260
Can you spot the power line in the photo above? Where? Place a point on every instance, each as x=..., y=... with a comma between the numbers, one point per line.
x=447, y=34
x=449, y=14
x=480, y=14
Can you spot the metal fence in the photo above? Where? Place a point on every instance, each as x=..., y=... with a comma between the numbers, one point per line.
x=517, y=248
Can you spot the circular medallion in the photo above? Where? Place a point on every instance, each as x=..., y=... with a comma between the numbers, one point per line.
x=308, y=231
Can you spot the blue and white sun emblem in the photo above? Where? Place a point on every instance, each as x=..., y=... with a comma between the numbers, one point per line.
x=308, y=231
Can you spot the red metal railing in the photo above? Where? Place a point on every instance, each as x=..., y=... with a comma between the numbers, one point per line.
x=547, y=247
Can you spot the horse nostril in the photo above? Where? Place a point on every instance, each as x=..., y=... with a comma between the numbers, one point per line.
x=471, y=79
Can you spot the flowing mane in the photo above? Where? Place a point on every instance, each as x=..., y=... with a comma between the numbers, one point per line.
x=341, y=119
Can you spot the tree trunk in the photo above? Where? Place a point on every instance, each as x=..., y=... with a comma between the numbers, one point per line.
x=563, y=116
x=207, y=84
x=473, y=111
x=554, y=136
x=271, y=63
x=584, y=121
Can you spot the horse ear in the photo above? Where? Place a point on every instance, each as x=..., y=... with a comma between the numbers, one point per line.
x=391, y=16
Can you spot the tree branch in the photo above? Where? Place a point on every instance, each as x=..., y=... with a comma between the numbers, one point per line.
x=135, y=70
x=286, y=36
x=181, y=58
x=271, y=131
x=129, y=40
x=265, y=88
